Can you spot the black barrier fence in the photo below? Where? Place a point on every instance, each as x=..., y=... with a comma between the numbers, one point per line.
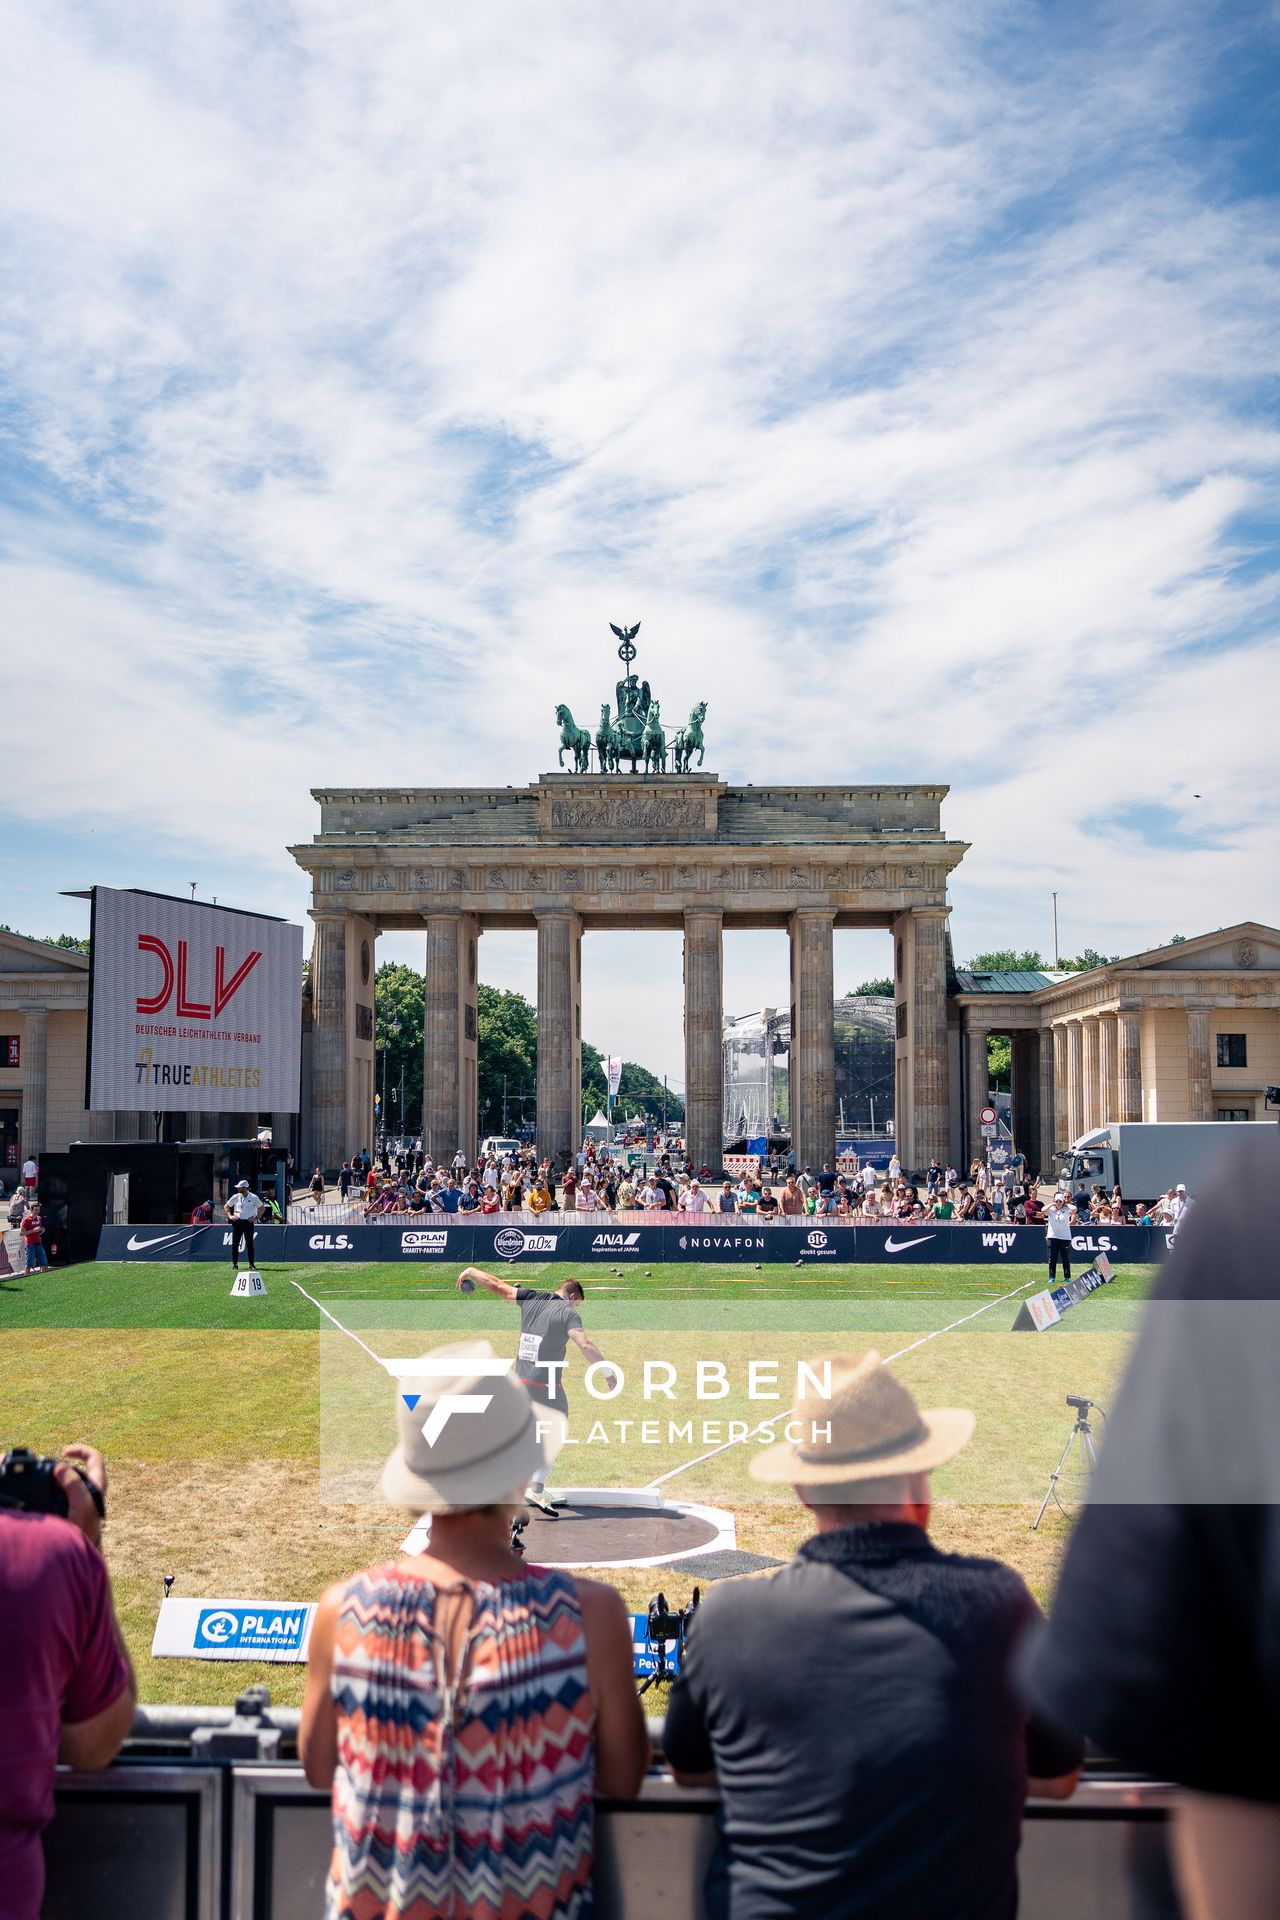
x=459, y=1245
x=251, y=1841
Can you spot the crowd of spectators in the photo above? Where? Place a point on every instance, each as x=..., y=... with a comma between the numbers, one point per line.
x=595, y=1181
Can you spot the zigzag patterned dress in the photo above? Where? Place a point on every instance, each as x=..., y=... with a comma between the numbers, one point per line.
x=472, y=1800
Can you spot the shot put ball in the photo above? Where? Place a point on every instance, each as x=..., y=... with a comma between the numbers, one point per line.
x=466, y=1286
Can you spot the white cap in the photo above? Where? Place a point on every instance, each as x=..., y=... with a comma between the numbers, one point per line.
x=1181, y=1188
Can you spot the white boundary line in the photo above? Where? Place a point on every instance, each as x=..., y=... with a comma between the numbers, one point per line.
x=766, y=1425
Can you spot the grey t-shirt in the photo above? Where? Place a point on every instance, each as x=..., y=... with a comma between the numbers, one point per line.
x=870, y=1748
x=546, y=1321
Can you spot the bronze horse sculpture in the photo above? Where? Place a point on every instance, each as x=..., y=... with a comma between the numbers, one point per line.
x=573, y=739
x=688, y=740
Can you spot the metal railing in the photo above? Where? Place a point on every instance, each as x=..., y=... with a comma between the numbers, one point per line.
x=246, y=1840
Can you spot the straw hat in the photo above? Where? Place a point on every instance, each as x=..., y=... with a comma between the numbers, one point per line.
x=479, y=1453
x=877, y=1431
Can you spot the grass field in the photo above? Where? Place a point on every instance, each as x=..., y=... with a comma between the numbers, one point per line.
x=243, y=1436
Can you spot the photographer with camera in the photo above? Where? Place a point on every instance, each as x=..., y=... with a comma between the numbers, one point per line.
x=67, y=1690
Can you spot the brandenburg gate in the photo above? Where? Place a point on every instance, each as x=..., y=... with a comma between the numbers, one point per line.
x=582, y=850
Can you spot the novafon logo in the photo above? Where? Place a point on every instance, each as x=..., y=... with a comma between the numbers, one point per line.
x=330, y=1242
x=433, y=1241
x=252, y=1629
x=616, y=1243
x=1002, y=1240
x=729, y=1240
x=511, y=1243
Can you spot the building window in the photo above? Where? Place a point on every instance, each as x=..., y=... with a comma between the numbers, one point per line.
x=1231, y=1050
x=11, y=1049
x=1235, y=1113
x=364, y=1021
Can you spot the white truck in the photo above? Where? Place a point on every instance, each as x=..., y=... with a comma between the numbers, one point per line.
x=1145, y=1158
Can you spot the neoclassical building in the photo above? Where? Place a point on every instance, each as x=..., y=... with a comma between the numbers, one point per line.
x=1189, y=1031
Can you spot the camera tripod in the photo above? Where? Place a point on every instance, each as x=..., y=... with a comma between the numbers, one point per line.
x=1081, y=1437
x=661, y=1672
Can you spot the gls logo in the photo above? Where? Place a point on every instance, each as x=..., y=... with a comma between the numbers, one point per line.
x=330, y=1243
x=1002, y=1240
x=1085, y=1243
x=176, y=975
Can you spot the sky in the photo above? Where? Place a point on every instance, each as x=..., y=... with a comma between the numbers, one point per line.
x=908, y=370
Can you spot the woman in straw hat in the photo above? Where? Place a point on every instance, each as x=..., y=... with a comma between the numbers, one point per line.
x=857, y=1710
x=466, y=1707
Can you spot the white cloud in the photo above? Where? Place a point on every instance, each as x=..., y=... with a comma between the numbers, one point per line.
x=901, y=368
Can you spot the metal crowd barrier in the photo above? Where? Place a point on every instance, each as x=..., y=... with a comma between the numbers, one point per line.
x=181, y=1840
x=332, y=1214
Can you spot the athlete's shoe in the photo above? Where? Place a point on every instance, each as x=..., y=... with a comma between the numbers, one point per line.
x=533, y=1498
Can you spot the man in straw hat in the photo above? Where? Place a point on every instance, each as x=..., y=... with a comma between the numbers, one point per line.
x=857, y=1710
x=465, y=1706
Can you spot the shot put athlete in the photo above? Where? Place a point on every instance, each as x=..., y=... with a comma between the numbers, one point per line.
x=548, y=1321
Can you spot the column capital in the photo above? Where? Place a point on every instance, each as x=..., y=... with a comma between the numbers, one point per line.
x=813, y=913
x=40, y=1012
x=328, y=916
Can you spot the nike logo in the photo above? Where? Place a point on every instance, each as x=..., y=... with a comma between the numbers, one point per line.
x=135, y=1245
x=896, y=1246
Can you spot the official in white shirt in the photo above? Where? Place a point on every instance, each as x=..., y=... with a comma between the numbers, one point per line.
x=1057, y=1233
x=242, y=1209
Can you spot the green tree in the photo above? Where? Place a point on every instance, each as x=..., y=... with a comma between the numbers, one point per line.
x=999, y=1062
x=1090, y=958
x=69, y=942
x=1006, y=960
x=397, y=1043
x=639, y=1091
x=876, y=989
x=507, y=1031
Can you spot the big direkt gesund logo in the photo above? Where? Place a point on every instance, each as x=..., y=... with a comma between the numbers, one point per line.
x=251, y=1629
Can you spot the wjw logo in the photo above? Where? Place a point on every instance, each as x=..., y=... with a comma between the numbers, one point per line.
x=174, y=981
x=1002, y=1240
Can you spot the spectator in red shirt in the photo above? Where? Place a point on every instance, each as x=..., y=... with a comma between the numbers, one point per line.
x=33, y=1236
x=67, y=1690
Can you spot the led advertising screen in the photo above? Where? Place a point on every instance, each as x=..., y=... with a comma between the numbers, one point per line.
x=191, y=1007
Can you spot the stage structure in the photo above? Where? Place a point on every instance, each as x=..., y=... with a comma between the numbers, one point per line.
x=588, y=850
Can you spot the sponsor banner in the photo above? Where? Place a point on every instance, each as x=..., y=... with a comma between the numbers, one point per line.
x=528, y=1243
x=1044, y=1310
x=709, y=1237
x=191, y=1009
x=644, y=1657
x=277, y=1630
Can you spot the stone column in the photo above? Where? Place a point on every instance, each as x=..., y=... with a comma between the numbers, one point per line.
x=978, y=1086
x=1061, y=1076
x=1075, y=1080
x=559, y=1033
x=35, y=1082
x=328, y=1145
x=703, y=1049
x=813, y=1037
x=931, y=1102
x=449, y=1037
x=1024, y=1051
x=1089, y=1072
x=1129, y=1103
x=1108, y=1100
x=1041, y=1158
x=1199, y=1075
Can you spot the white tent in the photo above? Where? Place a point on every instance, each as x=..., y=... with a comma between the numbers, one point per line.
x=597, y=1129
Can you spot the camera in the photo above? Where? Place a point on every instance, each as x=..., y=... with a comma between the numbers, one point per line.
x=1078, y=1401
x=670, y=1623
x=27, y=1482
